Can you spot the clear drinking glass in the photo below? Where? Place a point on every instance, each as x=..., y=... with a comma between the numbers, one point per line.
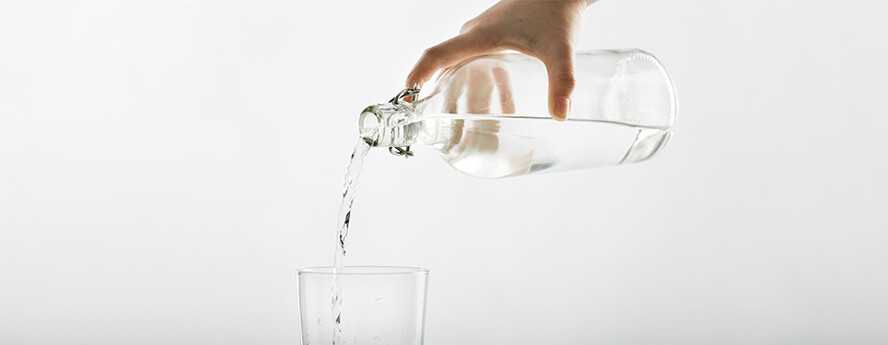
x=380, y=305
x=489, y=116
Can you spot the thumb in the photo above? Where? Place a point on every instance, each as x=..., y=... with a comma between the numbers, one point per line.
x=559, y=65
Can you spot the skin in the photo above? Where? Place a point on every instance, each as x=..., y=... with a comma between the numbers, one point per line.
x=547, y=30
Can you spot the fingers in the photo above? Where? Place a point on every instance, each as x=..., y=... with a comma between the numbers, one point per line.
x=559, y=65
x=504, y=85
x=479, y=88
x=446, y=54
x=452, y=93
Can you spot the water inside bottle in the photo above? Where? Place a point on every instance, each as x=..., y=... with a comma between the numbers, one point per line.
x=508, y=145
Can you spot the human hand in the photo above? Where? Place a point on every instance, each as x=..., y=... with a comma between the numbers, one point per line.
x=544, y=29
x=477, y=82
x=482, y=86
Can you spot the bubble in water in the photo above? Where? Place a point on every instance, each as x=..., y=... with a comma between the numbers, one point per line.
x=376, y=338
x=378, y=300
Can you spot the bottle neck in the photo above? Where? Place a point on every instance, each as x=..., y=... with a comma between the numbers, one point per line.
x=390, y=125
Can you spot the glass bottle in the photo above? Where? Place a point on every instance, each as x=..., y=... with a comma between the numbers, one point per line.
x=488, y=117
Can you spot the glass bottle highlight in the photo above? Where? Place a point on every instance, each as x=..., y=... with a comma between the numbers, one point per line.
x=489, y=117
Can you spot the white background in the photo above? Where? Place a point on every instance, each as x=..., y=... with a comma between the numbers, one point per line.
x=166, y=165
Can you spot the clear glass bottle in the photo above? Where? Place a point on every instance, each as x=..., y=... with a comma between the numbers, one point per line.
x=489, y=117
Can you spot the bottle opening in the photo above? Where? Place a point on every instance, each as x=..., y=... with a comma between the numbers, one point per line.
x=370, y=124
x=389, y=125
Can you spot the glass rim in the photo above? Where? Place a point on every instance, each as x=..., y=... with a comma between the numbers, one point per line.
x=363, y=270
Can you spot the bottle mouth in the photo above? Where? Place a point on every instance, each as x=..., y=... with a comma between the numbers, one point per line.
x=370, y=125
x=388, y=125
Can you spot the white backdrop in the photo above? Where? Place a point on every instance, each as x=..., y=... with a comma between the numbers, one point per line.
x=166, y=165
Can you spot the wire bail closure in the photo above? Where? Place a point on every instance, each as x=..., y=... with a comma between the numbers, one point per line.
x=412, y=92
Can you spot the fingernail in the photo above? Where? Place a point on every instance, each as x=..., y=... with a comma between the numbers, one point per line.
x=562, y=108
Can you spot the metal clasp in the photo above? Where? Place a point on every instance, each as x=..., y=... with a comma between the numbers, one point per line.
x=411, y=92
x=408, y=92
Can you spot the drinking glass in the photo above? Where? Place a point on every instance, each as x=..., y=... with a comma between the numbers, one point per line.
x=380, y=305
